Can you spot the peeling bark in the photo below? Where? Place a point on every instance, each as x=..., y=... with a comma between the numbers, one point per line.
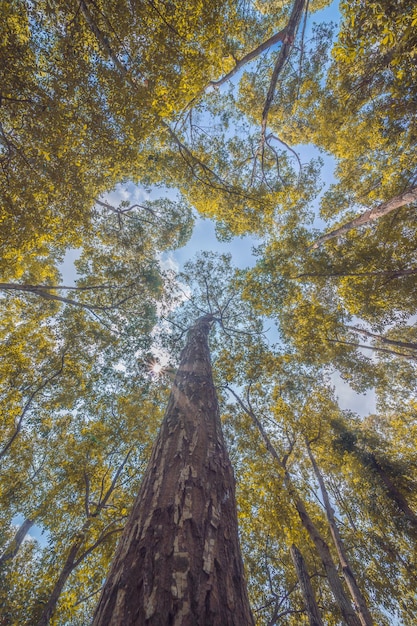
x=178, y=562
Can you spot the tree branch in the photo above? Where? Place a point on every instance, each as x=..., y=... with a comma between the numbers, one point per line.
x=370, y=215
x=283, y=54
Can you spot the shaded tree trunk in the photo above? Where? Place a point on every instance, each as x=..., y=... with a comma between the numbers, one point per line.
x=310, y=603
x=356, y=594
x=13, y=547
x=66, y=570
x=335, y=584
x=179, y=561
x=392, y=491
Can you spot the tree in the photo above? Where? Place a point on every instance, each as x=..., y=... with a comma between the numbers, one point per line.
x=307, y=590
x=179, y=559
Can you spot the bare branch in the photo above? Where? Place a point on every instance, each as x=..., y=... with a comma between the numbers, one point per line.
x=280, y=36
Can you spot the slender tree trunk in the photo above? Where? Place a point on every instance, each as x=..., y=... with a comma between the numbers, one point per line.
x=14, y=546
x=399, y=344
x=335, y=584
x=356, y=594
x=372, y=214
x=323, y=550
x=393, y=492
x=66, y=570
x=310, y=603
x=178, y=562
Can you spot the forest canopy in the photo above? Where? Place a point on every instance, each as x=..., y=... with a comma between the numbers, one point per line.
x=273, y=121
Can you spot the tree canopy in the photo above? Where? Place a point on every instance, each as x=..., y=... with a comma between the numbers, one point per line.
x=120, y=122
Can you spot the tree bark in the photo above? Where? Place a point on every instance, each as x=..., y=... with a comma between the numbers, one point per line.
x=310, y=603
x=356, y=594
x=372, y=214
x=178, y=562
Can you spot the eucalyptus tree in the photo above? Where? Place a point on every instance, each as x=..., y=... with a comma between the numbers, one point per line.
x=179, y=558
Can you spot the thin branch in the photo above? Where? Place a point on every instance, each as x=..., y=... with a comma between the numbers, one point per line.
x=35, y=288
x=43, y=293
x=101, y=38
x=384, y=350
x=280, y=36
x=110, y=490
x=393, y=342
x=390, y=273
x=94, y=546
x=300, y=65
x=90, y=595
x=87, y=495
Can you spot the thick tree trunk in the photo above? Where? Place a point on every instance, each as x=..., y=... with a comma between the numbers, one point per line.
x=356, y=594
x=178, y=562
x=310, y=603
x=13, y=547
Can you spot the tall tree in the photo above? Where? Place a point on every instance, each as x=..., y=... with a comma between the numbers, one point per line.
x=179, y=559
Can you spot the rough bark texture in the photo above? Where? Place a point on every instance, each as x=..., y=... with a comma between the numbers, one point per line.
x=178, y=562
x=310, y=603
x=356, y=594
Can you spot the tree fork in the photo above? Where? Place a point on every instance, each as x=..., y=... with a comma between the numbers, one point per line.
x=178, y=561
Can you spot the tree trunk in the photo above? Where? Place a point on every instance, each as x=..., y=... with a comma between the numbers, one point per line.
x=372, y=214
x=13, y=547
x=393, y=492
x=323, y=550
x=178, y=562
x=66, y=570
x=399, y=344
x=356, y=594
x=310, y=603
x=335, y=584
